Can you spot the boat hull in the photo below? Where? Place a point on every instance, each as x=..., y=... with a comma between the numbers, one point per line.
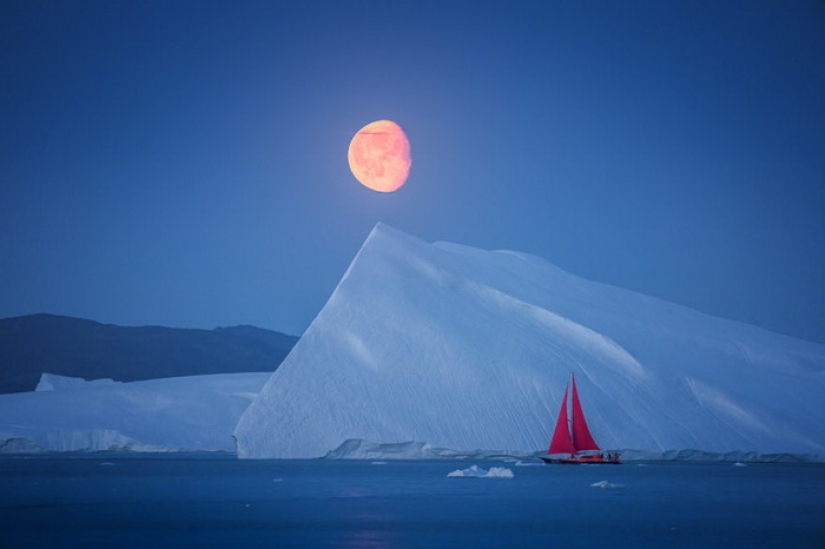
x=579, y=460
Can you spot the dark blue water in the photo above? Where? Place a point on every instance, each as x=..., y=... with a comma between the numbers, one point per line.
x=190, y=501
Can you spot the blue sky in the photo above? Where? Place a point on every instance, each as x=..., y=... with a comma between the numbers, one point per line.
x=184, y=163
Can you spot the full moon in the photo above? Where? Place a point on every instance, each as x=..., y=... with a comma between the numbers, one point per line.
x=379, y=156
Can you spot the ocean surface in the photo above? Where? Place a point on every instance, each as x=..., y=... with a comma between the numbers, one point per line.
x=117, y=501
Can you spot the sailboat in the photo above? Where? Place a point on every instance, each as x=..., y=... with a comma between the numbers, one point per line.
x=572, y=441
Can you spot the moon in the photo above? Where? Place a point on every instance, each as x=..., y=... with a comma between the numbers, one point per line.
x=379, y=156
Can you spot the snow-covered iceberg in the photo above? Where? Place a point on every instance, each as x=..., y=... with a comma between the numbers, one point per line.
x=195, y=413
x=463, y=349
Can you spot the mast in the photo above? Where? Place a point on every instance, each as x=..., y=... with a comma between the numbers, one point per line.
x=561, y=443
x=582, y=439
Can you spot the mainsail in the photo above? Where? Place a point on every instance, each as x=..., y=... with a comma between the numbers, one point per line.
x=582, y=439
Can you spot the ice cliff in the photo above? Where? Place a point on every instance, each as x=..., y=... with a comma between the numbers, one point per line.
x=171, y=414
x=466, y=349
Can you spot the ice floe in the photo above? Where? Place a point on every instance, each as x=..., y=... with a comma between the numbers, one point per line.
x=474, y=471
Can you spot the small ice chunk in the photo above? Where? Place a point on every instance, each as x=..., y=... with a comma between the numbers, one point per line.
x=499, y=472
x=474, y=471
x=605, y=485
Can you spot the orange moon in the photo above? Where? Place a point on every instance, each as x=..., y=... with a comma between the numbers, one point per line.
x=379, y=156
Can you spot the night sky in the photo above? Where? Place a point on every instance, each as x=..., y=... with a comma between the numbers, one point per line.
x=184, y=163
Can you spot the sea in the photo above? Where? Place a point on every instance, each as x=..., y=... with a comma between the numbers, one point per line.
x=194, y=500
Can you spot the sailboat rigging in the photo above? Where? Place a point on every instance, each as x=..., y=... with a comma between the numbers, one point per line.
x=572, y=441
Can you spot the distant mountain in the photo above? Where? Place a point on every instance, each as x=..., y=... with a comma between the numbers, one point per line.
x=34, y=344
x=466, y=349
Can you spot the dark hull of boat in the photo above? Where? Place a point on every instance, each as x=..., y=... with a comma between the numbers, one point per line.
x=579, y=460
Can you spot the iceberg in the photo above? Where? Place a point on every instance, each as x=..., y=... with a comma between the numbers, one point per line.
x=195, y=413
x=466, y=349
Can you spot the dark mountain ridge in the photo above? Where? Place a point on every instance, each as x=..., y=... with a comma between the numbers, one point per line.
x=33, y=344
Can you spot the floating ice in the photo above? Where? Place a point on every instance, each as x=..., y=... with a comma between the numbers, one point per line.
x=520, y=463
x=474, y=471
x=500, y=472
x=605, y=485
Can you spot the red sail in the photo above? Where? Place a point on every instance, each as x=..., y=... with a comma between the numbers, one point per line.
x=561, y=442
x=582, y=439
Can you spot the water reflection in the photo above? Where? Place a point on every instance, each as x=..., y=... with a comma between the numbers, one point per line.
x=366, y=532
